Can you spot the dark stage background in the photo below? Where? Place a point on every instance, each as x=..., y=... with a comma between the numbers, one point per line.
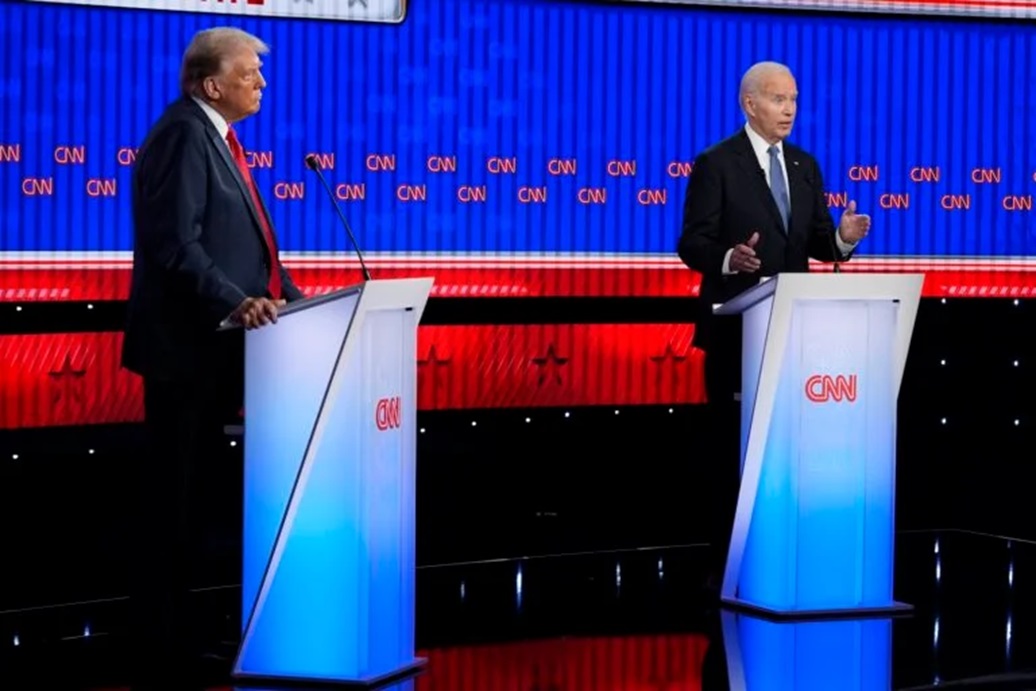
x=533, y=480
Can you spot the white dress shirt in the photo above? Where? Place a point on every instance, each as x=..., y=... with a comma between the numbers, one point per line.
x=761, y=147
x=218, y=120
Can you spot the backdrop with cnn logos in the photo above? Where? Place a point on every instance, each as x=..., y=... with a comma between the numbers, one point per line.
x=465, y=139
x=525, y=148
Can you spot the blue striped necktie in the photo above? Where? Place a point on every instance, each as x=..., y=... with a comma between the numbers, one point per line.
x=779, y=188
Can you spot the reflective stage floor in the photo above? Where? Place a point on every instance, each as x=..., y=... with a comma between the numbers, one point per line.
x=630, y=620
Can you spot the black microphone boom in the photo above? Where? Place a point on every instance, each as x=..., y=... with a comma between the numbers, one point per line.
x=836, y=254
x=311, y=163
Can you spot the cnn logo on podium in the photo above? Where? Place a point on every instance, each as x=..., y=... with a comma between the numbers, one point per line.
x=387, y=413
x=824, y=388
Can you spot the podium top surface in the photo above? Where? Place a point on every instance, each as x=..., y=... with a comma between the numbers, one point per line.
x=317, y=300
x=390, y=293
x=827, y=286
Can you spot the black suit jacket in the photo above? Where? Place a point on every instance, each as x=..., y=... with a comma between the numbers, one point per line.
x=198, y=247
x=728, y=200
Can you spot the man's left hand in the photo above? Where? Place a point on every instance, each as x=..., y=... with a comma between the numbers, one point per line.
x=853, y=227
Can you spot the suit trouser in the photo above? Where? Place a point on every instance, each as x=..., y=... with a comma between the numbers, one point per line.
x=176, y=489
x=722, y=382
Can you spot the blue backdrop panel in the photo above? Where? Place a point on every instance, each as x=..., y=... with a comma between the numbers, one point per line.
x=926, y=122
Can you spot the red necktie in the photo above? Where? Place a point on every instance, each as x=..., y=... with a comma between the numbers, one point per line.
x=275, y=268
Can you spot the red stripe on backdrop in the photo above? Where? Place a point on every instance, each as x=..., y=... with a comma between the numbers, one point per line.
x=557, y=365
x=76, y=379
x=66, y=379
x=944, y=280
x=633, y=663
x=43, y=284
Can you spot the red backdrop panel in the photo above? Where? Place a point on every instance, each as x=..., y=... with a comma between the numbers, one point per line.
x=75, y=379
x=635, y=663
x=25, y=280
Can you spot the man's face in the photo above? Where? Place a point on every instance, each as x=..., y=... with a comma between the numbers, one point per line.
x=237, y=92
x=771, y=111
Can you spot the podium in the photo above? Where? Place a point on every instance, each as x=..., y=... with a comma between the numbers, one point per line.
x=822, y=361
x=328, y=570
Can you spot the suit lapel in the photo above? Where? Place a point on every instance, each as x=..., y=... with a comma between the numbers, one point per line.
x=756, y=178
x=223, y=149
x=798, y=186
x=224, y=153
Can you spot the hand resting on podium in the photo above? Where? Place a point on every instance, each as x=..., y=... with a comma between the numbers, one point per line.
x=255, y=312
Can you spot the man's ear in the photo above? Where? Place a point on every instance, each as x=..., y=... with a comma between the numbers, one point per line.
x=748, y=105
x=211, y=88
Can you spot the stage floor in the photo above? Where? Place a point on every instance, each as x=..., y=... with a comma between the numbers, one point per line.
x=629, y=620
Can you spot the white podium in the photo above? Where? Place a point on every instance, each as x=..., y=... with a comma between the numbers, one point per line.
x=329, y=488
x=822, y=362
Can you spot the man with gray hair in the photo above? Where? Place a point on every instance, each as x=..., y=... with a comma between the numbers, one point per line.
x=755, y=206
x=204, y=255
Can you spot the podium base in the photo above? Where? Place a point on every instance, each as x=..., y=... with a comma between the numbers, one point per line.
x=896, y=609
x=246, y=680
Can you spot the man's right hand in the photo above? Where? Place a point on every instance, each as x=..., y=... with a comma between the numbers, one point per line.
x=255, y=312
x=743, y=258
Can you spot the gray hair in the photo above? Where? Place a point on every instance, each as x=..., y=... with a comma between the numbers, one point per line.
x=207, y=52
x=754, y=76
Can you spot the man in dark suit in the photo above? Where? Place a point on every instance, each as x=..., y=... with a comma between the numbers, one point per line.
x=755, y=207
x=205, y=255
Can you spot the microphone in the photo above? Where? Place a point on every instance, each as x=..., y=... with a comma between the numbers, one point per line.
x=835, y=254
x=834, y=249
x=311, y=163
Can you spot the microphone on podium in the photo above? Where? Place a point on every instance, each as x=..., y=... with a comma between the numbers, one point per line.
x=311, y=163
x=835, y=253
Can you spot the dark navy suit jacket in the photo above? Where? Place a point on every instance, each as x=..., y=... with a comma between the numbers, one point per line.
x=198, y=247
x=728, y=199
